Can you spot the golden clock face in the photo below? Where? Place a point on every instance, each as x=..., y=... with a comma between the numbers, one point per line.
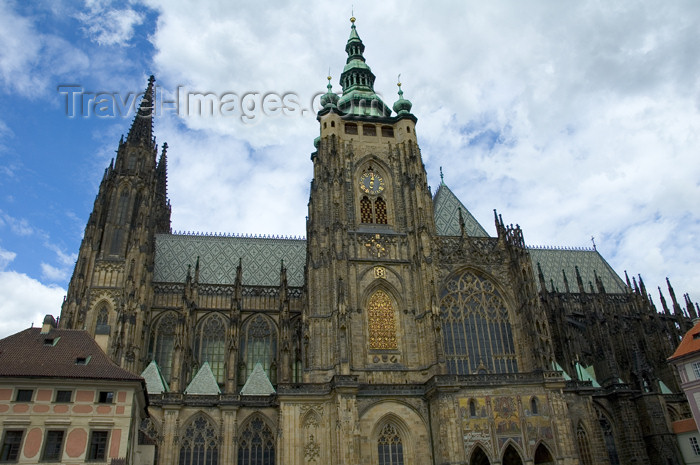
x=371, y=183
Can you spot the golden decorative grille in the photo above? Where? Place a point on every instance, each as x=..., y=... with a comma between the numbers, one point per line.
x=380, y=210
x=366, y=210
x=382, y=325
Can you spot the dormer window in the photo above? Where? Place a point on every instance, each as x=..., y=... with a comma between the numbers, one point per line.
x=82, y=360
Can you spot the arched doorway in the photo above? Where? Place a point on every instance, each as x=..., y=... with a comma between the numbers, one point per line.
x=543, y=456
x=511, y=457
x=479, y=457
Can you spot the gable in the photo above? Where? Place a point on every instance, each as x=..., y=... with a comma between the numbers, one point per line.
x=447, y=207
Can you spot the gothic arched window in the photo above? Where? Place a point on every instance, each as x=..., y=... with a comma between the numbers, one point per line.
x=102, y=322
x=199, y=444
x=389, y=446
x=163, y=343
x=533, y=406
x=366, y=210
x=382, y=324
x=211, y=344
x=609, y=439
x=380, y=210
x=584, y=448
x=477, y=332
x=122, y=207
x=256, y=444
x=258, y=345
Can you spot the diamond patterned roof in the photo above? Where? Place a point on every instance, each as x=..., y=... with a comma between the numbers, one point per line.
x=258, y=384
x=447, y=207
x=553, y=261
x=219, y=255
x=203, y=382
x=155, y=384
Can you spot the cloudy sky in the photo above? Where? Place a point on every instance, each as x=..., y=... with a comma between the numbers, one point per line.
x=573, y=119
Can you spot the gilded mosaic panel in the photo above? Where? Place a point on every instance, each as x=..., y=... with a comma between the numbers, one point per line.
x=474, y=417
x=507, y=420
x=382, y=324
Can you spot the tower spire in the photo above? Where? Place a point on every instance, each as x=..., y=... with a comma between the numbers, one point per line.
x=141, y=131
x=357, y=81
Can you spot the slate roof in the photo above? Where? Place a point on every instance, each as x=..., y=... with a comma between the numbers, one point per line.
x=219, y=255
x=589, y=262
x=258, y=384
x=28, y=355
x=447, y=207
x=203, y=382
x=690, y=343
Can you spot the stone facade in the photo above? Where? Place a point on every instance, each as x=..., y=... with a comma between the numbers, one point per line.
x=398, y=332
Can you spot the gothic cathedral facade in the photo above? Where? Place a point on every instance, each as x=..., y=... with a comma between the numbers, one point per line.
x=398, y=332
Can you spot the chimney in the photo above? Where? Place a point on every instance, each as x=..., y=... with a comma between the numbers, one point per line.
x=48, y=325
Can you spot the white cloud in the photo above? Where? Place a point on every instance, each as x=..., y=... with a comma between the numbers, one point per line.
x=109, y=26
x=53, y=274
x=25, y=301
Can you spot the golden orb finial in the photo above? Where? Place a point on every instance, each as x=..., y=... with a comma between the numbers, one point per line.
x=352, y=19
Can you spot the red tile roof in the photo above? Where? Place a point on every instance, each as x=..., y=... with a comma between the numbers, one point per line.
x=689, y=344
x=27, y=354
x=684, y=426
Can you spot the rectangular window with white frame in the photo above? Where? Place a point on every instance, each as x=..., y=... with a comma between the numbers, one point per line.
x=696, y=370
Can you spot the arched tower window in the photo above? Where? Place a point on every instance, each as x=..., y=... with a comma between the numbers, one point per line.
x=609, y=439
x=534, y=408
x=259, y=345
x=380, y=210
x=382, y=324
x=584, y=448
x=122, y=207
x=389, y=446
x=476, y=328
x=366, y=210
x=256, y=444
x=102, y=322
x=211, y=344
x=199, y=443
x=163, y=343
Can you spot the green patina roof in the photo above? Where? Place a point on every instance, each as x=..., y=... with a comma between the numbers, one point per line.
x=447, y=207
x=589, y=262
x=258, y=384
x=219, y=255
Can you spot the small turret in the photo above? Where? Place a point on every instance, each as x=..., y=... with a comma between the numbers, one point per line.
x=403, y=106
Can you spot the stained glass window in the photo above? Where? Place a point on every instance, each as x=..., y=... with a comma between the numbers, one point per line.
x=259, y=345
x=256, y=444
x=584, y=448
x=211, y=344
x=163, y=343
x=366, y=210
x=199, y=444
x=382, y=326
x=476, y=329
x=389, y=446
x=380, y=210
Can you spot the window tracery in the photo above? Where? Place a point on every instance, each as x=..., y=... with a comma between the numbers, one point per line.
x=380, y=210
x=366, y=210
x=390, y=446
x=163, y=343
x=584, y=448
x=259, y=345
x=211, y=345
x=102, y=321
x=382, y=324
x=256, y=444
x=477, y=331
x=608, y=438
x=199, y=444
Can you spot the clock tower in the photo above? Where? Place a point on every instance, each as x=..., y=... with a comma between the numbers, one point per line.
x=372, y=310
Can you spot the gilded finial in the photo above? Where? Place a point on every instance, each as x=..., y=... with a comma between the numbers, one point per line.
x=352, y=14
x=398, y=80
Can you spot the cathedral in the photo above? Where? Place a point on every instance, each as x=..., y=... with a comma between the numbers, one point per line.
x=397, y=332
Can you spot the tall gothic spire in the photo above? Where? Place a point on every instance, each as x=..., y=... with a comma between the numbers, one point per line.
x=357, y=81
x=141, y=131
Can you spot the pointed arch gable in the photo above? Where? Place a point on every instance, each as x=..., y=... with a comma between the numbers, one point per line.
x=479, y=455
x=543, y=454
x=512, y=455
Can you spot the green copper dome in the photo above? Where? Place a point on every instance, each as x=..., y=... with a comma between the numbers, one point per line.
x=402, y=106
x=357, y=81
x=330, y=98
